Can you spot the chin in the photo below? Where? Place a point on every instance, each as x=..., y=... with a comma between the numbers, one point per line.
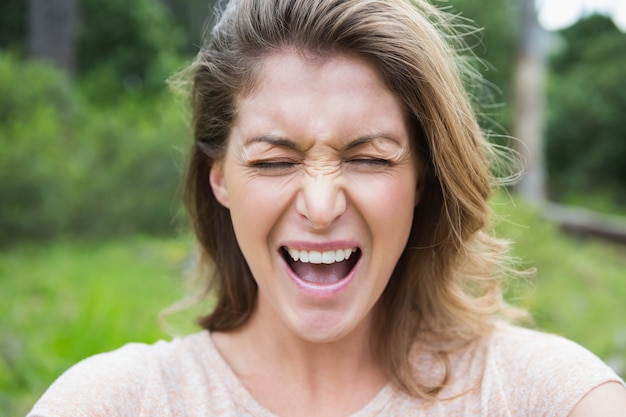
x=326, y=326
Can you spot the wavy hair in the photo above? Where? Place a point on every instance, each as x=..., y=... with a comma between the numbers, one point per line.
x=447, y=281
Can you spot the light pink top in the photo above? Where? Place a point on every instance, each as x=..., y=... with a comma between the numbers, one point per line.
x=526, y=373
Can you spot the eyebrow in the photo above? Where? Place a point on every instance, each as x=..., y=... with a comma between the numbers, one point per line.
x=363, y=140
x=273, y=140
x=289, y=144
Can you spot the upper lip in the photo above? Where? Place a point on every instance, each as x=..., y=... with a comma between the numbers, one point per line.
x=321, y=246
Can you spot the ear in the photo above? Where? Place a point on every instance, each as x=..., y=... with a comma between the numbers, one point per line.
x=218, y=184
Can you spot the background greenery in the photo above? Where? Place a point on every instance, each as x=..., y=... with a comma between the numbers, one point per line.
x=92, y=242
x=586, y=146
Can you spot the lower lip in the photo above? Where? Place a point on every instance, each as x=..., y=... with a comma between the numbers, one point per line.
x=322, y=290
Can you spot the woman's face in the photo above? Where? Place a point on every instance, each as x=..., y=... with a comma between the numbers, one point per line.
x=321, y=180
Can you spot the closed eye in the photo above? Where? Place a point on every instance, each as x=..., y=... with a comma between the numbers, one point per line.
x=274, y=165
x=374, y=162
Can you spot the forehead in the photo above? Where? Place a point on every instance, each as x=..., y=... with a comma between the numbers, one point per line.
x=337, y=92
x=295, y=65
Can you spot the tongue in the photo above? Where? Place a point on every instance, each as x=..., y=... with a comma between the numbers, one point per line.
x=321, y=273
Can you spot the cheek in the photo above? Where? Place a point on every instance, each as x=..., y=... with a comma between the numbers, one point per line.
x=388, y=199
x=256, y=207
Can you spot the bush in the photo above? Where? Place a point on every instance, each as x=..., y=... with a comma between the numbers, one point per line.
x=128, y=170
x=587, y=94
x=125, y=46
x=68, y=168
x=36, y=112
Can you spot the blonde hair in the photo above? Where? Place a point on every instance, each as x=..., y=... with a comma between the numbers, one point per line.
x=446, y=283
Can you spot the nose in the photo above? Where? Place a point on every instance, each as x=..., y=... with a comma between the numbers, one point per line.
x=321, y=200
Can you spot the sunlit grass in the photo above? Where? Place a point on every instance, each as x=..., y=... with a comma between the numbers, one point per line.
x=579, y=289
x=63, y=302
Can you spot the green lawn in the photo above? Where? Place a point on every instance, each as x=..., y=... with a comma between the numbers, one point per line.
x=579, y=289
x=62, y=302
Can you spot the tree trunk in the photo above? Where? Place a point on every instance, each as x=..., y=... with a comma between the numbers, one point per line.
x=530, y=75
x=52, y=29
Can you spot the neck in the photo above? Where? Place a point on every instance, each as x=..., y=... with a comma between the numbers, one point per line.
x=270, y=342
x=341, y=375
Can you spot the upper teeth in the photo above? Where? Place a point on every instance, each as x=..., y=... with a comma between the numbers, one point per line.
x=317, y=257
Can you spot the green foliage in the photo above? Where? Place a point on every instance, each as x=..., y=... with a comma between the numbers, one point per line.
x=190, y=17
x=129, y=167
x=70, y=168
x=36, y=109
x=121, y=45
x=126, y=46
x=495, y=48
x=586, y=149
x=13, y=19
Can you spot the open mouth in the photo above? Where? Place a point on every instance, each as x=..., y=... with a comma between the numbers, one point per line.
x=319, y=267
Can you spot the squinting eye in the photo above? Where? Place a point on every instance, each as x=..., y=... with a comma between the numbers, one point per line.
x=374, y=162
x=274, y=165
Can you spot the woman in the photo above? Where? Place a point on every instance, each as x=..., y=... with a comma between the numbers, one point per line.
x=338, y=187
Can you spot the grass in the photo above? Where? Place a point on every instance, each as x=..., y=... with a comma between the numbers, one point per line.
x=65, y=301
x=579, y=289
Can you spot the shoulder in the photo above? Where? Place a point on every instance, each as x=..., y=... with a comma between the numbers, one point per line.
x=514, y=372
x=524, y=351
x=547, y=371
x=122, y=381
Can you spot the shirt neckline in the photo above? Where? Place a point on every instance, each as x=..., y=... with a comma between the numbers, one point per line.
x=217, y=364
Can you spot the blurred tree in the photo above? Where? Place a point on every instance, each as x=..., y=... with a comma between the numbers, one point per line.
x=495, y=47
x=586, y=143
x=530, y=78
x=126, y=45
x=579, y=38
x=191, y=16
x=13, y=24
x=120, y=45
x=68, y=168
x=36, y=122
x=52, y=27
